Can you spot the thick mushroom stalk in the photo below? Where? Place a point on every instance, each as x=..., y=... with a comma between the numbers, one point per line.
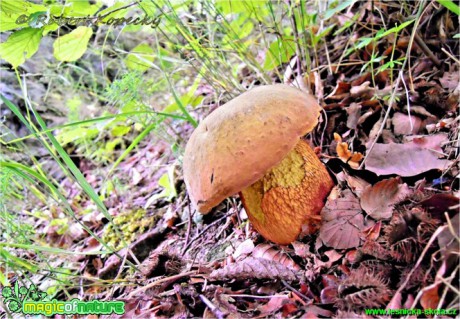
x=289, y=196
x=253, y=145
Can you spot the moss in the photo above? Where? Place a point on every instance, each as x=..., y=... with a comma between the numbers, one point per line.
x=131, y=224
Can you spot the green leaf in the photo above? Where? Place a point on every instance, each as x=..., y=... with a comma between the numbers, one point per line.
x=456, y=36
x=280, y=51
x=20, y=46
x=332, y=12
x=169, y=191
x=140, y=58
x=451, y=6
x=11, y=10
x=72, y=46
x=396, y=29
x=120, y=130
x=82, y=8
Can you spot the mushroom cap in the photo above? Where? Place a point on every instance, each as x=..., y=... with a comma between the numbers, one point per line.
x=239, y=142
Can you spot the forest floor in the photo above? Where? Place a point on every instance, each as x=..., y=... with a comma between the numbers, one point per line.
x=389, y=237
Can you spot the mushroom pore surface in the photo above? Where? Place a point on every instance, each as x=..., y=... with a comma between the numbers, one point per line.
x=242, y=140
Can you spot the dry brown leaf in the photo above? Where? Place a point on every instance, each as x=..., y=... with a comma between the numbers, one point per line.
x=438, y=204
x=272, y=306
x=429, y=142
x=342, y=222
x=378, y=200
x=354, y=112
x=355, y=183
x=402, y=124
x=430, y=297
x=362, y=90
x=251, y=268
x=244, y=248
x=373, y=232
x=269, y=252
x=345, y=154
x=449, y=80
x=403, y=160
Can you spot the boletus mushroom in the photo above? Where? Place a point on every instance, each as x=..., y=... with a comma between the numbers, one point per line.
x=252, y=145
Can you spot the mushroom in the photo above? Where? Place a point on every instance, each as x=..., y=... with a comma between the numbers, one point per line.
x=252, y=146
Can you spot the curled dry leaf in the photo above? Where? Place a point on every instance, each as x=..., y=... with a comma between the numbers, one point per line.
x=354, y=112
x=430, y=297
x=378, y=200
x=272, y=306
x=351, y=158
x=342, y=222
x=402, y=159
x=355, y=183
x=269, y=252
x=258, y=268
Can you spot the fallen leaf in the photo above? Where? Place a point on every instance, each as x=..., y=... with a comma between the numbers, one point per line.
x=373, y=232
x=269, y=252
x=438, y=204
x=354, y=112
x=272, y=306
x=406, y=125
x=430, y=297
x=378, y=200
x=429, y=142
x=449, y=80
x=251, y=268
x=345, y=154
x=403, y=160
x=342, y=222
x=355, y=183
x=447, y=241
x=245, y=248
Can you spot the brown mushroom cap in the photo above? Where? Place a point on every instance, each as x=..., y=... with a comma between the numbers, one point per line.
x=240, y=141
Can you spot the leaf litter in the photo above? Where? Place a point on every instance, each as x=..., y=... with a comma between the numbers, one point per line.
x=389, y=235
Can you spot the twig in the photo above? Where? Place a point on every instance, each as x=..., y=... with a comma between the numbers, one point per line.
x=215, y=310
x=295, y=291
x=427, y=50
x=203, y=231
x=189, y=225
x=450, y=55
x=390, y=106
x=118, y=9
x=160, y=281
x=419, y=261
x=257, y=297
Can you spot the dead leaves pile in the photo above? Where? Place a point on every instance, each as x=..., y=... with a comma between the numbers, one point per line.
x=389, y=235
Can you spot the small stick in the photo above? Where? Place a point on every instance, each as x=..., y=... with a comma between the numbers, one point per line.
x=203, y=231
x=419, y=261
x=189, y=226
x=216, y=311
x=427, y=50
x=295, y=291
x=160, y=281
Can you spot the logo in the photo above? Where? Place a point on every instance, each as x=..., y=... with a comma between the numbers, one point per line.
x=14, y=298
x=31, y=301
